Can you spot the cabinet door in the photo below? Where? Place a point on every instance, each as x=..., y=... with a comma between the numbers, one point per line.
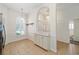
x=45, y=43
x=38, y=40
x=41, y=41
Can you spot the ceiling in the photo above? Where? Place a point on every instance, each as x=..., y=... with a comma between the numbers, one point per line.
x=68, y=5
x=26, y=6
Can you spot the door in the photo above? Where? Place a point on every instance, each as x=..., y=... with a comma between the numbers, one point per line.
x=76, y=30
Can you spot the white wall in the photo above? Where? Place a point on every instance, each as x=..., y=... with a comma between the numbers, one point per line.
x=52, y=17
x=65, y=14
x=9, y=18
x=62, y=25
x=32, y=28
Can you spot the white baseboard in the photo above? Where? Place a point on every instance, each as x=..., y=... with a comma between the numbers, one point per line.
x=54, y=50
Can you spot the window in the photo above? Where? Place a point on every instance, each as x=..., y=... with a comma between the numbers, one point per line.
x=20, y=26
x=71, y=25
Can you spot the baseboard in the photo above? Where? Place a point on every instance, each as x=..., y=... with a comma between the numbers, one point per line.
x=51, y=50
x=55, y=51
x=41, y=47
x=63, y=42
x=15, y=41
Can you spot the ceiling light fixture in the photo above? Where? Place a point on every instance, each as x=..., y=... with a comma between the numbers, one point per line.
x=21, y=12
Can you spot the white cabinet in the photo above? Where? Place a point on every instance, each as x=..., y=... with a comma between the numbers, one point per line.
x=42, y=28
x=45, y=33
x=42, y=41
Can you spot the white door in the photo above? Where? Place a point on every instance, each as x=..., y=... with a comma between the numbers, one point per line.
x=76, y=30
